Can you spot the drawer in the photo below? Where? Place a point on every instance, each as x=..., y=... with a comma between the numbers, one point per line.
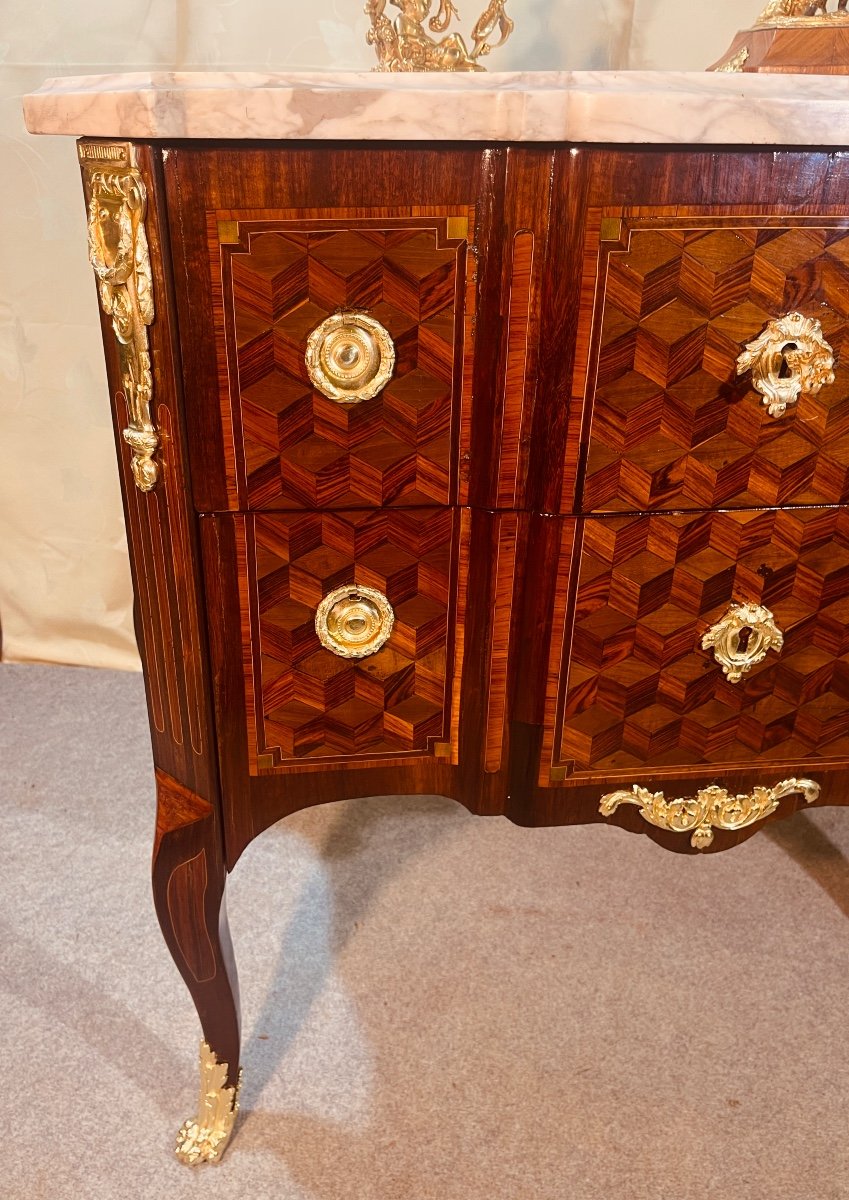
x=341, y=348
x=351, y=629
x=328, y=307
x=633, y=685
x=669, y=422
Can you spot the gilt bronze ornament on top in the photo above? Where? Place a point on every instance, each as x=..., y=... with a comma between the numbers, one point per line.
x=793, y=36
x=403, y=44
x=820, y=11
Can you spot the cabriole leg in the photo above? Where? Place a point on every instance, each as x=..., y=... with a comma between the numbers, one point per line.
x=188, y=888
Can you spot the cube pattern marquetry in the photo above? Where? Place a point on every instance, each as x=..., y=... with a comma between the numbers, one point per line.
x=641, y=691
x=673, y=426
x=313, y=703
x=295, y=447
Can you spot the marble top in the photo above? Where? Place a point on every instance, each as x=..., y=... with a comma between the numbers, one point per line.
x=574, y=106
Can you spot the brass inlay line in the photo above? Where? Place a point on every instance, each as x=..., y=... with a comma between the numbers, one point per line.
x=189, y=880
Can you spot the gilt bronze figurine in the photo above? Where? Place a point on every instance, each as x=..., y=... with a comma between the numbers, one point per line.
x=405, y=45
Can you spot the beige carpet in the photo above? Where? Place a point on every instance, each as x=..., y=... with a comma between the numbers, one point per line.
x=437, y=1007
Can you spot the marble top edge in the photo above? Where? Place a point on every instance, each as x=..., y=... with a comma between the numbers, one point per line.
x=580, y=106
x=491, y=81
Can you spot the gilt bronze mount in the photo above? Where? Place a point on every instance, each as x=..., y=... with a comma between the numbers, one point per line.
x=118, y=252
x=350, y=357
x=789, y=358
x=204, y=1138
x=710, y=808
x=793, y=37
x=405, y=45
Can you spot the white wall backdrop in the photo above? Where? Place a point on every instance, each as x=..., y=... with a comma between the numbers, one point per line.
x=64, y=580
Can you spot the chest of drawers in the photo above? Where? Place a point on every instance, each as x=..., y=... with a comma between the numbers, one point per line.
x=512, y=469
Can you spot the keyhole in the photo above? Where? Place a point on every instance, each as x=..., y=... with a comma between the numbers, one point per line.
x=743, y=638
x=784, y=371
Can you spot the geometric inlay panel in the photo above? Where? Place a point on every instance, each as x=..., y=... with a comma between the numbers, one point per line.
x=639, y=690
x=672, y=424
x=304, y=700
x=295, y=447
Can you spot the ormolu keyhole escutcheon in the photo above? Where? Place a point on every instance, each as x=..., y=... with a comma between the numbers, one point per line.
x=791, y=358
x=742, y=638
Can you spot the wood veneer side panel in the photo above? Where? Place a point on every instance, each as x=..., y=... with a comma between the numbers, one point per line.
x=560, y=304
x=504, y=573
x=541, y=574
x=528, y=194
x=481, y=727
x=162, y=535
x=205, y=442
x=229, y=644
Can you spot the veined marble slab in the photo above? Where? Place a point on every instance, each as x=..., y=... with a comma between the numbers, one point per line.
x=575, y=106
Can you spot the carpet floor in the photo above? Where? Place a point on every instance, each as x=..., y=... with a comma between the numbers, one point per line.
x=436, y=1006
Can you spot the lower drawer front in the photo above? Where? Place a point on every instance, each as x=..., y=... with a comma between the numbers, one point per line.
x=350, y=634
x=638, y=683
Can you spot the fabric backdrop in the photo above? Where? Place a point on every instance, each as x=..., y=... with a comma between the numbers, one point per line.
x=64, y=581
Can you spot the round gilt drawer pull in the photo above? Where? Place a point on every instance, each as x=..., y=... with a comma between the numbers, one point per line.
x=791, y=358
x=354, y=621
x=711, y=808
x=350, y=357
x=742, y=638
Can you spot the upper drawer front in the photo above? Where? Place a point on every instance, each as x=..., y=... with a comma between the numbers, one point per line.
x=670, y=421
x=375, y=420
x=272, y=241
